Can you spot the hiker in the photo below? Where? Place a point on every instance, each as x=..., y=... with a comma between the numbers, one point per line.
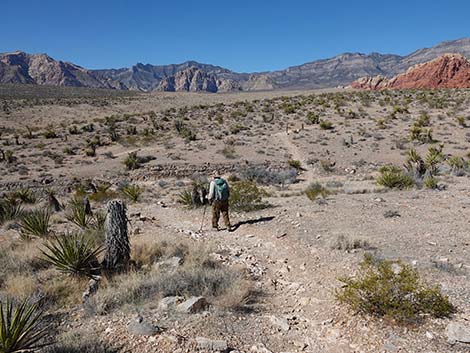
x=219, y=193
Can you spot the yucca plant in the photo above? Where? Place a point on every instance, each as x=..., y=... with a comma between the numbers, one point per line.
x=132, y=192
x=74, y=254
x=77, y=213
x=35, y=223
x=185, y=198
x=9, y=210
x=20, y=328
x=132, y=161
x=24, y=195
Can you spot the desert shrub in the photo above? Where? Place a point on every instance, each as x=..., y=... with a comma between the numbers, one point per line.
x=50, y=133
x=432, y=160
x=21, y=327
x=421, y=134
x=9, y=210
x=313, y=118
x=229, y=152
x=90, y=151
x=431, y=182
x=80, y=341
x=414, y=164
x=246, y=196
x=198, y=275
x=24, y=195
x=78, y=213
x=131, y=192
x=132, y=161
x=268, y=176
x=461, y=121
x=74, y=254
x=184, y=131
x=185, y=198
x=326, y=125
x=35, y=223
x=316, y=189
x=394, y=290
x=458, y=165
x=394, y=178
x=346, y=244
x=295, y=164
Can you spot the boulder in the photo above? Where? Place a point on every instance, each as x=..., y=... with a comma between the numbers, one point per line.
x=193, y=305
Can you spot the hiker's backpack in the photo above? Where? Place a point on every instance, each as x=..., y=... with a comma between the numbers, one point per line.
x=221, y=190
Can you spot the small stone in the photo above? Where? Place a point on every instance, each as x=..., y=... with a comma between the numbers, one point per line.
x=280, y=323
x=211, y=345
x=429, y=335
x=141, y=327
x=193, y=305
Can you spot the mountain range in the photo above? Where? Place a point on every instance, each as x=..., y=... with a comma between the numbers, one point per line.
x=20, y=67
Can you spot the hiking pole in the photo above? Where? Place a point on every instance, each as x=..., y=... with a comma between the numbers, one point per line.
x=203, y=216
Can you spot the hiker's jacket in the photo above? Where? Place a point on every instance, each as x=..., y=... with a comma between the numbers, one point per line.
x=212, y=188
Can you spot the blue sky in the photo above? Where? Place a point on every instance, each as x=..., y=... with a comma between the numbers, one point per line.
x=241, y=35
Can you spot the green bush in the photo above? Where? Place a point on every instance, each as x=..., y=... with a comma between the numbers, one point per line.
x=315, y=189
x=74, y=254
x=295, y=164
x=247, y=196
x=326, y=125
x=394, y=178
x=20, y=328
x=394, y=290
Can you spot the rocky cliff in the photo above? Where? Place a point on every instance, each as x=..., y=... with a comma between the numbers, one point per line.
x=447, y=71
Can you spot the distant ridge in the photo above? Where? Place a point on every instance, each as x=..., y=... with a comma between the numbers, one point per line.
x=19, y=67
x=446, y=71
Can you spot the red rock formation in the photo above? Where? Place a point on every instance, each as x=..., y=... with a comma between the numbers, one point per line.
x=447, y=71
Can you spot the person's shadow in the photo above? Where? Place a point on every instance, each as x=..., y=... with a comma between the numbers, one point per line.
x=252, y=221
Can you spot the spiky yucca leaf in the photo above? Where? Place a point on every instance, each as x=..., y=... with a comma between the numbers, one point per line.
x=132, y=192
x=185, y=198
x=20, y=329
x=77, y=214
x=9, y=210
x=35, y=223
x=73, y=254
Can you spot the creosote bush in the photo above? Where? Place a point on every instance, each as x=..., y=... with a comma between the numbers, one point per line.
x=246, y=196
x=394, y=290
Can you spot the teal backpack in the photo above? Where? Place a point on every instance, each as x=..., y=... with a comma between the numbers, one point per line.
x=221, y=190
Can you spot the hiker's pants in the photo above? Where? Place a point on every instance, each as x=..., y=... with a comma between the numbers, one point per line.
x=219, y=207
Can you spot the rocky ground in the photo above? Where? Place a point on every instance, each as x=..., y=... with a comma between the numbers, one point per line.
x=291, y=253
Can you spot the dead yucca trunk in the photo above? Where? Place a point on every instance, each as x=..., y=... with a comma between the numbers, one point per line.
x=117, y=248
